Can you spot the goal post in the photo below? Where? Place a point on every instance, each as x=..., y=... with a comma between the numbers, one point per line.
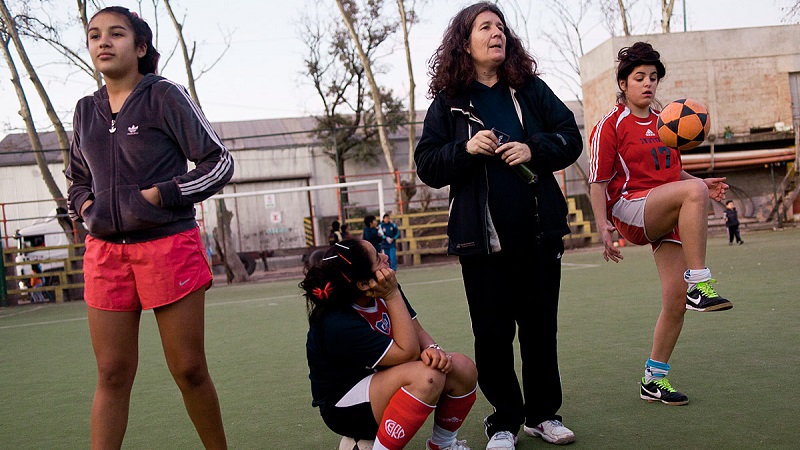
x=277, y=219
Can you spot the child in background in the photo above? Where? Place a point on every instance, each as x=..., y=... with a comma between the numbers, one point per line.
x=732, y=222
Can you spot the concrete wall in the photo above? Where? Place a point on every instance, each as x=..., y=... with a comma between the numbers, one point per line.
x=741, y=74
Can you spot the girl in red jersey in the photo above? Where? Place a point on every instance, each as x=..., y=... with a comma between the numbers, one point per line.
x=639, y=189
x=131, y=186
x=375, y=373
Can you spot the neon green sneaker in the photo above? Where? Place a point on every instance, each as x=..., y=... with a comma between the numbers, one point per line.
x=702, y=297
x=661, y=391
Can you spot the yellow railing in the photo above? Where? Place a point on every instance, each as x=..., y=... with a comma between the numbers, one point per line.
x=62, y=275
x=418, y=228
x=425, y=233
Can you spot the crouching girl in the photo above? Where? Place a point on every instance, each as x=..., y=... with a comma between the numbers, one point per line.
x=375, y=373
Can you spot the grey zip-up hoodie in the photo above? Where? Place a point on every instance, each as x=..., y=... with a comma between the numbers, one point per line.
x=156, y=131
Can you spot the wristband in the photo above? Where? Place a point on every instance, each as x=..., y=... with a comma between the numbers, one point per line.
x=436, y=346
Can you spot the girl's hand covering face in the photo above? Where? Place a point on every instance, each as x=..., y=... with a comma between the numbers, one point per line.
x=383, y=285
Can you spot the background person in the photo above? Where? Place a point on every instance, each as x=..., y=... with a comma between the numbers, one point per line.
x=375, y=373
x=336, y=234
x=130, y=185
x=640, y=190
x=346, y=232
x=390, y=234
x=506, y=231
x=732, y=222
x=372, y=233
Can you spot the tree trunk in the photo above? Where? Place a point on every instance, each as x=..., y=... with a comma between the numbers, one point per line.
x=623, y=13
x=63, y=140
x=412, y=117
x=186, y=58
x=376, y=94
x=98, y=78
x=234, y=269
x=666, y=14
x=233, y=266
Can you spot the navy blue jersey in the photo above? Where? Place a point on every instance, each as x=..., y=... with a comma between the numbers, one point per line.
x=346, y=346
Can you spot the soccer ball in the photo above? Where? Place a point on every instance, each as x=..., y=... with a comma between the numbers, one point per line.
x=349, y=443
x=683, y=124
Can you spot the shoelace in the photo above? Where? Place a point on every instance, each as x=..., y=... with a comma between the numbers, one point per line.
x=664, y=384
x=458, y=445
x=554, y=423
x=505, y=435
x=706, y=289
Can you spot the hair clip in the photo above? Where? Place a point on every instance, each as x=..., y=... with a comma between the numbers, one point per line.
x=330, y=257
x=340, y=245
x=134, y=14
x=345, y=259
x=323, y=293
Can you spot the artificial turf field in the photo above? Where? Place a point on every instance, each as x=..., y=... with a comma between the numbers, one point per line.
x=739, y=367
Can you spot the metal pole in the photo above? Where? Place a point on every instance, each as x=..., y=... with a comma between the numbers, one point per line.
x=3, y=291
x=775, y=195
x=684, y=16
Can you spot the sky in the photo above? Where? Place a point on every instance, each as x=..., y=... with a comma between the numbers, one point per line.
x=260, y=76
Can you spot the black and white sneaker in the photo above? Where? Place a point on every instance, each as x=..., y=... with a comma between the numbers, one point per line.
x=661, y=391
x=702, y=297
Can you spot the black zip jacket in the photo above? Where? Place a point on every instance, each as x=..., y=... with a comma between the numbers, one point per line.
x=156, y=131
x=442, y=159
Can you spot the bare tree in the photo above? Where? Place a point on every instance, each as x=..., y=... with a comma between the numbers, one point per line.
x=406, y=22
x=27, y=118
x=11, y=30
x=234, y=269
x=791, y=11
x=521, y=14
x=188, y=57
x=408, y=17
x=49, y=33
x=347, y=126
x=349, y=12
x=615, y=13
x=36, y=144
x=567, y=39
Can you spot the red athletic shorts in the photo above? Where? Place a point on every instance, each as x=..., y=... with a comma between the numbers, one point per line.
x=627, y=215
x=132, y=277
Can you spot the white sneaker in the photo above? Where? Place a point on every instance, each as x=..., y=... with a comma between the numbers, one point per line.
x=552, y=431
x=348, y=443
x=502, y=440
x=457, y=445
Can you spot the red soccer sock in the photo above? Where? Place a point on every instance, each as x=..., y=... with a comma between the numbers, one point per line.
x=451, y=411
x=401, y=420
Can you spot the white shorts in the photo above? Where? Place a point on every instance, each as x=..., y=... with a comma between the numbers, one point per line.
x=627, y=215
x=357, y=394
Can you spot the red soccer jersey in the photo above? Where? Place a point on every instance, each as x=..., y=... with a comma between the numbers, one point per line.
x=626, y=151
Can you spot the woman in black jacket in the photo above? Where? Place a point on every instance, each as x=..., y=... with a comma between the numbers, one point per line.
x=495, y=133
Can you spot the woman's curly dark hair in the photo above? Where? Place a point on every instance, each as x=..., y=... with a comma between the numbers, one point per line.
x=451, y=68
x=331, y=284
x=638, y=54
x=142, y=35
